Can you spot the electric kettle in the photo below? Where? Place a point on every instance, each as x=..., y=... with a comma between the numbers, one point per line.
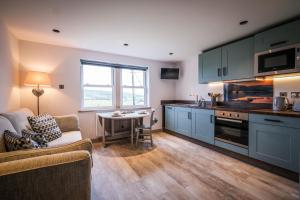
x=280, y=103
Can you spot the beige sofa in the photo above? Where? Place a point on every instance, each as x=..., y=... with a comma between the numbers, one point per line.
x=61, y=171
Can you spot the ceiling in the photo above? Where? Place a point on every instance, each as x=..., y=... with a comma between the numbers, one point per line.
x=152, y=28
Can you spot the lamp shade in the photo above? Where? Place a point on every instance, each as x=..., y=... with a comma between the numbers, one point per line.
x=37, y=78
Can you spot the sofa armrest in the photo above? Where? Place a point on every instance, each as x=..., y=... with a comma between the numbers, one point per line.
x=59, y=176
x=85, y=144
x=67, y=122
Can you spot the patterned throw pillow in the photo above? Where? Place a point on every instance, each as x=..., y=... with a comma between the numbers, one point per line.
x=37, y=137
x=46, y=125
x=16, y=142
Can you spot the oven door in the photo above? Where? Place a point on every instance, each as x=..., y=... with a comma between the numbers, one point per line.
x=232, y=131
x=276, y=61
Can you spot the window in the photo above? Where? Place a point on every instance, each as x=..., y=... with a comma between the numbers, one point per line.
x=133, y=87
x=97, y=86
x=106, y=85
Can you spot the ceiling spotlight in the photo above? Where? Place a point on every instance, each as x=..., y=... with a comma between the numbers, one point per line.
x=171, y=53
x=125, y=44
x=244, y=22
x=56, y=30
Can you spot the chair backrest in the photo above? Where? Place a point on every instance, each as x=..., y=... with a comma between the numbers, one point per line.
x=152, y=119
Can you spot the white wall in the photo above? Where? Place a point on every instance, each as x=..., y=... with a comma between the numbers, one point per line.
x=188, y=82
x=63, y=64
x=9, y=54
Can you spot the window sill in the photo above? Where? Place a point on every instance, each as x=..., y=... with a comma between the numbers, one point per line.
x=112, y=109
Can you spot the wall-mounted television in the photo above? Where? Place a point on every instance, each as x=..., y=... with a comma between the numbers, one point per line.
x=169, y=73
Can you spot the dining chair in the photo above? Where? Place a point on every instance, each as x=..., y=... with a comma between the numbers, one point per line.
x=144, y=132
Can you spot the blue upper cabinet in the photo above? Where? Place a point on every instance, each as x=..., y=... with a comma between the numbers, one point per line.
x=273, y=139
x=203, y=127
x=277, y=37
x=237, y=60
x=230, y=62
x=183, y=121
x=170, y=118
x=211, y=66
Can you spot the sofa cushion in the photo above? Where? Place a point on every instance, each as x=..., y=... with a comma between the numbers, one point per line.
x=46, y=125
x=19, y=119
x=4, y=125
x=13, y=142
x=66, y=138
x=37, y=137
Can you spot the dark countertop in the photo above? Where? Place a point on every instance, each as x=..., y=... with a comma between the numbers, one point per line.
x=288, y=113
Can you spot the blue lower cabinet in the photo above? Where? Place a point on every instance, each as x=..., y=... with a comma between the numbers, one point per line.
x=183, y=121
x=277, y=145
x=203, y=127
x=170, y=118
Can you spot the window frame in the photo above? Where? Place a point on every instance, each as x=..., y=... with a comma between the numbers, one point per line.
x=116, y=71
x=82, y=86
x=145, y=87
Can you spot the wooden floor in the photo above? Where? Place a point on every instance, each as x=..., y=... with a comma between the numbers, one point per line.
x=177, y=169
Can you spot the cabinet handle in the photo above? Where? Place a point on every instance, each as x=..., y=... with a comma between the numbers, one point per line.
x=224, y=71
x=273, y=120
x=189, y=115
x=219, y=72
x=211, y=119
x=169, y=108
x=278, y=43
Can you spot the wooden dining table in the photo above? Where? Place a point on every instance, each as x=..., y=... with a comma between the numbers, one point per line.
x=132, y=116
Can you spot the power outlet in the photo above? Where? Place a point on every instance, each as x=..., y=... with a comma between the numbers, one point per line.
x=295, y=94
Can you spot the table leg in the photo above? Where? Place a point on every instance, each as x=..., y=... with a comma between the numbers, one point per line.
x=103, y=136
x=112, y=127
x=132, y=130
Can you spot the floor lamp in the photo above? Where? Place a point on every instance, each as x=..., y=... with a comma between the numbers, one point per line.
x=37, y=80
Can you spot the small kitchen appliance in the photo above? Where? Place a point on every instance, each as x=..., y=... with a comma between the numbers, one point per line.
x=280, y=103
x=296, y=106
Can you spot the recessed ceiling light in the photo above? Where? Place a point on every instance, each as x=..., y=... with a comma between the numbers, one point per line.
x=56, y=30
x=171, y=53
x=126, y=44
x=243, y=22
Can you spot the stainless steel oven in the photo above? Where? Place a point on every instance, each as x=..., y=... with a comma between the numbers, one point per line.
x=232, y=127
x=278, y=61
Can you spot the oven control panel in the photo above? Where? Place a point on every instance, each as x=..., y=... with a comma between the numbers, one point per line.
x=232, y=115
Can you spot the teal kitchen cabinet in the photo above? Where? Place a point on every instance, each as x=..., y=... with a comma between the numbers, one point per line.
x=277, y=37
x=203, y=127
x=211, y=66
x=237, y=60
x=274, y=141
x=170, y=118
x=183, y=121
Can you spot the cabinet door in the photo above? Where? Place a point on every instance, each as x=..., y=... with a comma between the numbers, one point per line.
x=183, y=121
x=203, y=127
x=169, y=118
x=237, y=60
x=211, y=66
x=276, y=145
x=200, y=69
x=277, y=37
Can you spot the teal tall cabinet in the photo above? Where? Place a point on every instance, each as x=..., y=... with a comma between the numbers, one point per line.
x=203, y=127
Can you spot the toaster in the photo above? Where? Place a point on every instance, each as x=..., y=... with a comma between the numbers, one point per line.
x=296, y=106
